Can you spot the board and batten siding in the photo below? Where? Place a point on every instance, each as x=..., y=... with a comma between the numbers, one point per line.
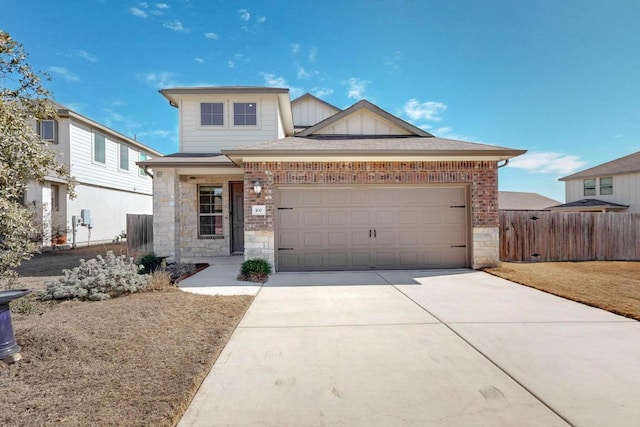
x=308, y=112
x=626, y=191
x=363, y=123
x=109, y=174
x=195, y=138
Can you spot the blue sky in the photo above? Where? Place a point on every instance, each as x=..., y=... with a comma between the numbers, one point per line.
x=558, y=78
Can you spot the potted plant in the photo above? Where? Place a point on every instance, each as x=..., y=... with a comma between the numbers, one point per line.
x=58, y=237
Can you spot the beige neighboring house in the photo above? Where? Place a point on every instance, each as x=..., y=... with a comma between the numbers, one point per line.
x=523, y=201
x=109, y=184
x=309, y=187
x=610, y=187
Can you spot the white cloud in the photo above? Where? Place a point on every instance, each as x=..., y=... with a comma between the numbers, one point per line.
x=161, y=133
x=174, y=25
x=83, y=55
x=244, y=14
x=295, y=48
x=162, y=6
x=273, y=80
x=64, y=74
x=211, y=36
x=313, y=54
x=199, y=60
x=393, y=60
x=231, y=64
x=356, y=88
x=302, y=74
x=321, y=91
x=424, y=110
x=443, y=130
x=115, y=119
x=138, y=12
x=161, y=79
x=261, y=19
x=548, y=162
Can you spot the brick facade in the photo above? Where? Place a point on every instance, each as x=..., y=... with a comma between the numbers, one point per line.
x=480, y=176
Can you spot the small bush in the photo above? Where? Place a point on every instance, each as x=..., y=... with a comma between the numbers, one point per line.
x=98, y=279
x=160, y=281
x=151, y=263
x=255, y=270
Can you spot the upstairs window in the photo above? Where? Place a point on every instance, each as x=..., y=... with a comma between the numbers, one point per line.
x=124, y=157
x=99, y=153
x=142, y=157
x=589, y=187
x=606, y=185
x=47, y=129
x=244, y=114
x=209, y=211
x=211, y=114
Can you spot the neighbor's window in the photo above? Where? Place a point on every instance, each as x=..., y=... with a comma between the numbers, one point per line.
x=55, y=197
x=211, y=114
x=99, y=155
x=244, y=114
x=124, y=157
x=47, y=129
x=209, y=210
x=141, y=158
x=589, y=187
x=606, y=185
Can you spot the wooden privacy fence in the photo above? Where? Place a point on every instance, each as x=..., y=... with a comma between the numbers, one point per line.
x=140, y=232
x=530, y=236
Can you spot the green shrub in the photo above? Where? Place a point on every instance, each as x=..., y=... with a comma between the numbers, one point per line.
x=98, y=279
x=255, y=270
x=151, y=263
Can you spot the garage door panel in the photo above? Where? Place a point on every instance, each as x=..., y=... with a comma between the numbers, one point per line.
x=337, y=218
x=369, y=227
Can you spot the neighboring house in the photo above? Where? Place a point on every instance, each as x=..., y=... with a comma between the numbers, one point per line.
x=522, y=201
x=610, y=187
x=109, y=184
x=308, y=186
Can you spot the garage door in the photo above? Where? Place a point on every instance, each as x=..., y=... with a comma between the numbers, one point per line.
x=362, y=228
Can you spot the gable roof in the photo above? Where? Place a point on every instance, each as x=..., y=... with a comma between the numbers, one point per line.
x=626, y=164
x=308, y=96
x=364, y=105
x=523, y=201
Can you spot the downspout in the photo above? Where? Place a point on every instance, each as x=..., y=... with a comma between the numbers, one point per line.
x=146, y=172
x=506, y=162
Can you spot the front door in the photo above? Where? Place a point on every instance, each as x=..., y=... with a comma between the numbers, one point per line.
x=237, y=217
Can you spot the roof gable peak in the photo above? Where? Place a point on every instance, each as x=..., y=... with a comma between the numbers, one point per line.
x=363, y=104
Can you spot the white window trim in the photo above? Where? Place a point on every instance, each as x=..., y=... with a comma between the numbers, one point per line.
x=141, y=171
x=127, y=170
x=55, y=197
x=220, y=214
x=225, y=115
x=258, y=124
x=93, y=149
x=55, y=130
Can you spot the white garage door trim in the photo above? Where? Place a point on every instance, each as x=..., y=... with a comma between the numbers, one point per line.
x=320, y=227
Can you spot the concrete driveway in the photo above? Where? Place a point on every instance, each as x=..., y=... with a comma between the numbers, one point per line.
x=453, y=348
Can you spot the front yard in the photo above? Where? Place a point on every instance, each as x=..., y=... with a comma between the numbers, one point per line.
x=611, y=285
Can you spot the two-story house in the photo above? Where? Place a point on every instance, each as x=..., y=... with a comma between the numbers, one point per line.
x=609, y=187
x=309, y=186
x=109, y=184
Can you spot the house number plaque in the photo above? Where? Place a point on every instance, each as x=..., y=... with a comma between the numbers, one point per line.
x=259, y=210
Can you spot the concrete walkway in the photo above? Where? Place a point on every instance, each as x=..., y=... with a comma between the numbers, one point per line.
x=453, y=348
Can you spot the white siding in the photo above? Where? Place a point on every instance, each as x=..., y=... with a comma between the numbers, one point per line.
x=626, y=191
x=307, y=112
x=109, y=209
x=195, y=138
x=84, y=170
x=363, y=122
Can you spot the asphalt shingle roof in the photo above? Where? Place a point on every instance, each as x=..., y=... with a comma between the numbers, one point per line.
x=626, y=164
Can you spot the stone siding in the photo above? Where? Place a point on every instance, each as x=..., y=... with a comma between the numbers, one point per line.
x=486, y=247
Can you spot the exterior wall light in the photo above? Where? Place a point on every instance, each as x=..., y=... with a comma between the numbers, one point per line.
x=257, y=188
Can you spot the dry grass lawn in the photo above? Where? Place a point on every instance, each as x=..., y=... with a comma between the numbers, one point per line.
x=131, y=361
x=611, y=285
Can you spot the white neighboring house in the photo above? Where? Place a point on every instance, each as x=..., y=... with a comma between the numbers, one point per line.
x=109, y=184
x=609, y=187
